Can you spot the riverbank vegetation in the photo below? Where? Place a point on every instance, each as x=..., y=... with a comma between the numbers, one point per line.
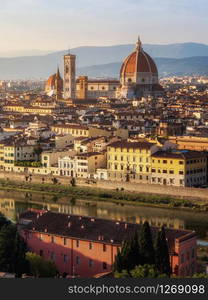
x=120, y=197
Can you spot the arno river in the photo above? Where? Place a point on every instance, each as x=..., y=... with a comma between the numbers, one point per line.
x=12, y=203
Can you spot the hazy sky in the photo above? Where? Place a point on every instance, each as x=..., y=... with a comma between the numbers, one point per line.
x=58, y=24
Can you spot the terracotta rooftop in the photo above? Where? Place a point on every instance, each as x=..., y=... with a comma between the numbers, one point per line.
x=89, y=228
x=131, y=145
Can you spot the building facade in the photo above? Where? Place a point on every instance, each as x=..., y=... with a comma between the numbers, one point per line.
x=84, y=247
x=130, y=161
x=69, y=76
x=179, y=168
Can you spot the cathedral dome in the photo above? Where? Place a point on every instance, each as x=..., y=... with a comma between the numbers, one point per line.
x=51, y=81
x=139, y=68
x=54, y=83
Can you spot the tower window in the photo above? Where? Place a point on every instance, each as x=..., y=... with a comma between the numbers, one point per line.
x=103, y=87
x=129, y=80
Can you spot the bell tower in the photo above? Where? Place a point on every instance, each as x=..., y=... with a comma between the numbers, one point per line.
x=69, y=76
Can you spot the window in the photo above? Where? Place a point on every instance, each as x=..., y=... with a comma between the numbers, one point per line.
x=41, y=252
x=65, y=258
x=164, y=171
x=171, y=172
x=77, y=243
x=52, y=239
x=164, y=161
x=180, y=162
x=104, y=266
x=78, y=260
x=90, y=246
x=65, y=241
x=181, y=172
x=90, y=263
x=104, y=248
x=171, y=180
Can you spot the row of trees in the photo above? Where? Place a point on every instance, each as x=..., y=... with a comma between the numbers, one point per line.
x=142, y=253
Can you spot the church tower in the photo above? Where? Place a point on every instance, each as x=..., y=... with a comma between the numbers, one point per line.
x=58, y=85
x=69, y=76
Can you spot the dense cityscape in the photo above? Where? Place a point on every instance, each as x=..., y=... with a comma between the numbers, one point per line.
x=138, y=140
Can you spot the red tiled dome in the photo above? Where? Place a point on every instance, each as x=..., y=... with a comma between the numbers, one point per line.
x=139, y=61
x=51, y=80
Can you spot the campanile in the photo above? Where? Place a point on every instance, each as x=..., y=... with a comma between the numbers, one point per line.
x=69, y=76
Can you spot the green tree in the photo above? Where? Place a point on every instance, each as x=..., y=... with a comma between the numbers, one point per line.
x=147, y=251
x=12, y=251
x=134, y=258
x=122, y=274
x=129, y=255
x=7, y=243
x=145, y=271
x=40, y=267
x=162, y=259
x=3, y=221
x=200, y=275
x=21, y=265
x=118, y=263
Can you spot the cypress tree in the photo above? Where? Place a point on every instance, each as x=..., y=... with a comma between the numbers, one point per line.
x=147, y=251
x=118, y=263
x=162, y=259
x=134, y=258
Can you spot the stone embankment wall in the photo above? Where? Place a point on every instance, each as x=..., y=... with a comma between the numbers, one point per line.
x=180, y=192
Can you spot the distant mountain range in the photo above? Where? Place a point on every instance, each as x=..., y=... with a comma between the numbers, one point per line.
x=166, y=67
x=174, y=59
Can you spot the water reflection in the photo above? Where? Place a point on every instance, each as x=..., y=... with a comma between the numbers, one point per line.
x=13, y=203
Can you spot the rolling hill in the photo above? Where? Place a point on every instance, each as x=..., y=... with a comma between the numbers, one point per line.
x=183, y=59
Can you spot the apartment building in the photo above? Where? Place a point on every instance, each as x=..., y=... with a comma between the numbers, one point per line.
x=179, y=168
x=130, y=161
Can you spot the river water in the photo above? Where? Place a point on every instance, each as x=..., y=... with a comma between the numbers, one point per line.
x=12, y=203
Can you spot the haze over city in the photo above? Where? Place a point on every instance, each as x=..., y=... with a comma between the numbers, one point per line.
x=60, y=24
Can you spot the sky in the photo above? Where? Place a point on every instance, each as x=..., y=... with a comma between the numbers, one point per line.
x=62, y=24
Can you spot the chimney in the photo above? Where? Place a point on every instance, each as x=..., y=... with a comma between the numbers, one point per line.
x=126, y=225
x=46, y=230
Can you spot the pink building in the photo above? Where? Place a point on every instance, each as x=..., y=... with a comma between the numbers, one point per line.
x=84, y=246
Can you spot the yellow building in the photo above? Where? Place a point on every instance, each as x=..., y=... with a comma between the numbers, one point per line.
x=73, y=129
x=179, y=168
x=130, y=161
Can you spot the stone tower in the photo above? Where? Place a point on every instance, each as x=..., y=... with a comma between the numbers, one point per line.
x=83, y=87
x=69, y=76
